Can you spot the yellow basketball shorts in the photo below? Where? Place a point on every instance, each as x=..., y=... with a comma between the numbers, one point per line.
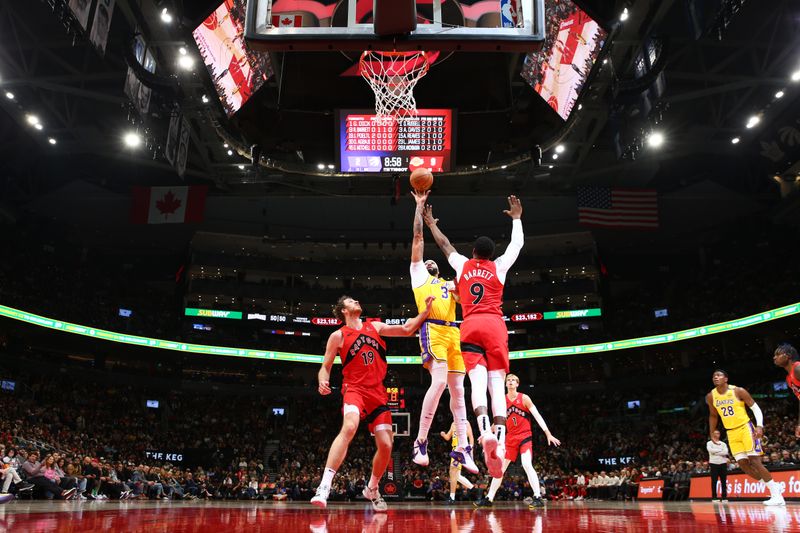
x=441, y=343
x=743, y=442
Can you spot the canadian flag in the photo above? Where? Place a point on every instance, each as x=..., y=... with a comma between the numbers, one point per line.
x=168, y=205
x=282, y=21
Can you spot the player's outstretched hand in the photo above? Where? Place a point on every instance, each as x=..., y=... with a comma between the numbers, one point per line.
x=420, y=197
x=552, y=440
x=324, y=387
x=514, y=208
x=427, y=216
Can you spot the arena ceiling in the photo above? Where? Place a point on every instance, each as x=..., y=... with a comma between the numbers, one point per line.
x=710, y=80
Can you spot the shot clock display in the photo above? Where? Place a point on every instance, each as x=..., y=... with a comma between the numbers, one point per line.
x=397, y=398
x=369, y=143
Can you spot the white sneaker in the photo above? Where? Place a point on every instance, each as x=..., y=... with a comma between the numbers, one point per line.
x=320, y=499
x=373, y=495
x=775, y=500
x=463, y=457
x=421, y=452
x=491, y=456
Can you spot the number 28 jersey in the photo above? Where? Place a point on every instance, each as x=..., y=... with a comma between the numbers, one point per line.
x=730, y=408
x=479, y=288
x=363, y=356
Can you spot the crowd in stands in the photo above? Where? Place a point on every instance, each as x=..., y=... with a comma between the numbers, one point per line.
x=95, y=439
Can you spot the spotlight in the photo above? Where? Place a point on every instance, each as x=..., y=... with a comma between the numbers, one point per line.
x=32, y=119
x=132, y=139
x=186, y=62
x=474, y=167
x=796, y=75
x=166, y=16
x=182, y=50
x=38, y=126
x=752, y=121
x=241, y=167
x=205, y=99
x=230, y=152
x=9, y=95
x=504, y=167
x=321, y=166
x=580, y=106
x=330, y=167
x=560, y=149
x=779, y=94
x=605, y=61
x=655, y=139
x=51, y=140
x=225, y=145
x=624, y=16
x=549, y=166
x=555, y=156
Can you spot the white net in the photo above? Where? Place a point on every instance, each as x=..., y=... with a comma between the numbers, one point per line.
x=392, y=77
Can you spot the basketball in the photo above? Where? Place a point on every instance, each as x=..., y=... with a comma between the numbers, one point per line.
x=421, y=179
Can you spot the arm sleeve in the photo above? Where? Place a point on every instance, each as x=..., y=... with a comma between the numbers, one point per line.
x=505, y=261
x=419, y=274
x=758, y=414
x=457, y=261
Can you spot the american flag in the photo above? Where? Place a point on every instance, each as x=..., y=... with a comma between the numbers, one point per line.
x=613, y=207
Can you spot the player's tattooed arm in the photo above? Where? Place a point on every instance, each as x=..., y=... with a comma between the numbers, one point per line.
x=433, y=224
x=418, y=244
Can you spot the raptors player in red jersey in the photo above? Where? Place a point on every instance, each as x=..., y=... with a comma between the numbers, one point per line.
x=785, y=356
x=362, y=351
x=484, y=336
x=519, y=441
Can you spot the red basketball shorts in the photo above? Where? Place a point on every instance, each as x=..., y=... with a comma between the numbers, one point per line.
x=517, y=445
x=484, y=341
x=371, y=404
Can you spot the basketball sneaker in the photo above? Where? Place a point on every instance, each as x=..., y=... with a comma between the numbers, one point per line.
x=421, y=452
x=464, y=458
x=491, y=455
x=373, y=495
x=537, y=503
x=776, y=499
x=320, y=499
x=483, y=502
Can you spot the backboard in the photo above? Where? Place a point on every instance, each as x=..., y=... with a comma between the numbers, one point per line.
x=448, y=25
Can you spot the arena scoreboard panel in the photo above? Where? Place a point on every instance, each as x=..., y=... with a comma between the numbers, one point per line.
x=397, y=398
x=370, y=143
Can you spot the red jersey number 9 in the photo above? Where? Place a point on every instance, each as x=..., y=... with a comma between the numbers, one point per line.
x=476, y=289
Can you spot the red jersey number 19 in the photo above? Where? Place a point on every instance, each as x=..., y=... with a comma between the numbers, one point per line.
x=369, y=357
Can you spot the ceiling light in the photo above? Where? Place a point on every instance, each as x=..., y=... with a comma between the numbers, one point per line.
x=186, y=62
x=580, y=106
x=796, y=75
x=605, y=61
x=504, y=166
x=624, y=16
x=38, y=126
x=241, y=167
x=735, y=140
x=205, y=99
x=655, y=139
x=51, y=140
x=321, y=166
x=330, y=167
x=182, y=50
x=230, y=152
x=560, y=149
x=166, y=16
x=550, y=166
x=779, y=94
x=32, y=119
x=752, y=121
x=225, y=145
x=9, y=95
x=555, y=156
x=132, y=139
x=474, y=167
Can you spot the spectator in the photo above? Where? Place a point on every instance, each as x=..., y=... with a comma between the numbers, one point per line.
x=718, y=462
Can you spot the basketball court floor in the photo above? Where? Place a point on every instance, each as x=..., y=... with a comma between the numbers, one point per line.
x=155, y=517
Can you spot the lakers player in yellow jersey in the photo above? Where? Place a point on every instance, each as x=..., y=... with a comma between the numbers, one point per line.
x=455, y=466
x=440, y=346
x=744, y=439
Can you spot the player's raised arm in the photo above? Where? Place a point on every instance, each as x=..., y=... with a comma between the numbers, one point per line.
x=407, y=329
x=505, y=261
x=526, y=400
x=713, y=416
x=433, y=224
x=418, y=243
x=331, y=349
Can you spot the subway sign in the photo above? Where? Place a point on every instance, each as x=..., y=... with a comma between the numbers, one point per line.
x=575, y=313
x=213, y=313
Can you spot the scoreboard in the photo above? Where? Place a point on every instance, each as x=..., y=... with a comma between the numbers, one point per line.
x=396, y=398
x=369, y=143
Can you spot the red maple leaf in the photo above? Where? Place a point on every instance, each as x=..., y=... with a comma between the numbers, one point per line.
x=286, y=21
x=168, y=204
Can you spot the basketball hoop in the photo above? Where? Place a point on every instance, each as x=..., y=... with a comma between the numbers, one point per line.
x=392, y=77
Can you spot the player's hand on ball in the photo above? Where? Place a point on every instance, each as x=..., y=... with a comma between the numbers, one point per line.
x=514, y=207
x=324, y=387
x=420, y=197
x=427, y=216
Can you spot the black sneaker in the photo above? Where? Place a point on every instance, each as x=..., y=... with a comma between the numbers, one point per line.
x=483, y=502
x=537, y=503
x=25, y=487
x=449, y=502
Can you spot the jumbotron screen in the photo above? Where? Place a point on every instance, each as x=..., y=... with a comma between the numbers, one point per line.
x=368, y=143
x=573, y=41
